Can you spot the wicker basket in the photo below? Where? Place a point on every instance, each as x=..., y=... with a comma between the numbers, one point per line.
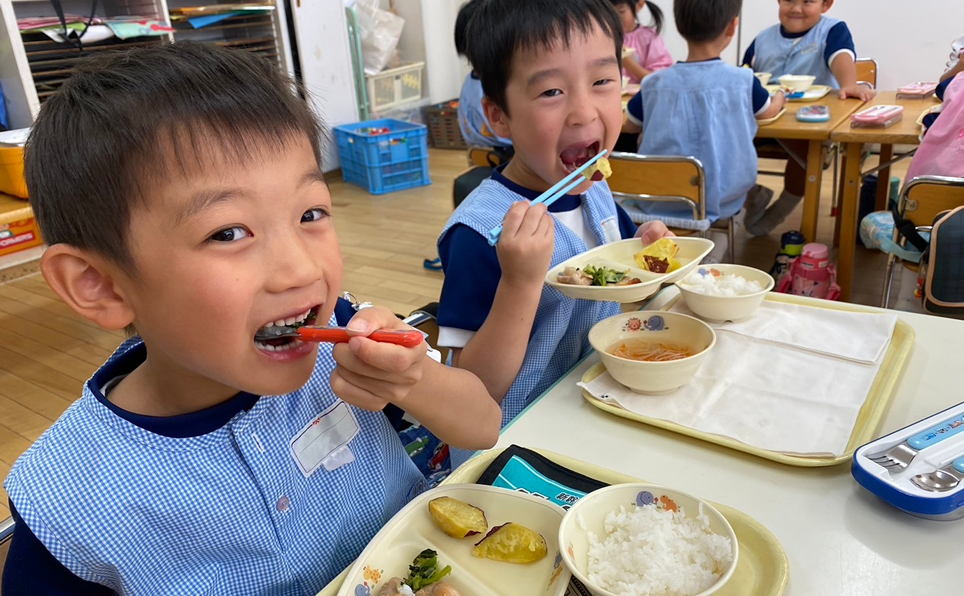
x=443, y=125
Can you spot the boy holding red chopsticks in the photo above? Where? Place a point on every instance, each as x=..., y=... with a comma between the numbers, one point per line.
x=550, y=71
x=200, y=216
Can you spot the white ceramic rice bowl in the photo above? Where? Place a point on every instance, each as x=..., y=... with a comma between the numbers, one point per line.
x=764, y=77
x=589, y=513
x=727, y=308
x=664, y=327
x=797, y=82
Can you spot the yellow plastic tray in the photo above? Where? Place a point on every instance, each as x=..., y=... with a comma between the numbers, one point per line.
x=880, y=395
x=762, y=570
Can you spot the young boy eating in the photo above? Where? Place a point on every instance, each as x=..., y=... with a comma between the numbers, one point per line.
x=804, y=43
x=705, y=108
x=181, y=192
x=550, y=71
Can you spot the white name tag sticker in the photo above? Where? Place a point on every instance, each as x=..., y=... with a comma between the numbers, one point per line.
x=324, y=441
x=610, y=230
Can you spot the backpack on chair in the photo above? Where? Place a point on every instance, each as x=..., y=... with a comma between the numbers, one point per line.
x=941, y=278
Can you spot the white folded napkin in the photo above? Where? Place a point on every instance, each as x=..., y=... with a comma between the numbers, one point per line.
x=858, y=336
x=786, y=380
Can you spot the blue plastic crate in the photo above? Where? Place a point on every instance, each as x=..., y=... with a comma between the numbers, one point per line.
x=382, y=162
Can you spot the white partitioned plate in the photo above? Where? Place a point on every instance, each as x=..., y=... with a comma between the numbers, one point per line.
x=814, y=93
x=412, y=530
x=619, y=255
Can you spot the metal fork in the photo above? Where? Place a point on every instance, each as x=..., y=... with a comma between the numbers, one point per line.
x=897, y=458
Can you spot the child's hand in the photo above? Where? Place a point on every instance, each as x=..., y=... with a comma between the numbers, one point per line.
x=525, y=247
x=651, y=231
x=857, y=91
x=370, y=374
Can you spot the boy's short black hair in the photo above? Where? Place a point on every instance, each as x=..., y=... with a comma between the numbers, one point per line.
x=500, y=29
x=105, y=138
x=462, y=24
x=704, y=20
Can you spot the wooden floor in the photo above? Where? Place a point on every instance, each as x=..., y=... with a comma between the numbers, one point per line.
x=47, y=352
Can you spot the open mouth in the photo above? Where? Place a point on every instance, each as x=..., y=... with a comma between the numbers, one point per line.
x=574, y=156
x=284, y=330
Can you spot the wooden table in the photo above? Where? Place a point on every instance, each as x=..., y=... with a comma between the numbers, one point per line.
x=840, y=539
x=789, y=128
x=905, y=132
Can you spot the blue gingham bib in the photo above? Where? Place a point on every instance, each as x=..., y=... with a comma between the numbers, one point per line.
x=780, y=55
x=227, y=512
x=559, y=336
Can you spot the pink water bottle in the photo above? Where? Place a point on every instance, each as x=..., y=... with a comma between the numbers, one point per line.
x=811, y=274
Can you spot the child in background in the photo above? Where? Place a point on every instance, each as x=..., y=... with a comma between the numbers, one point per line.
x=199, y=217
x=472, y=122
x=954, y=62
x=942, y=145
x=649, y=51
x=708, y=109
x=550, y=71
x=804, y=43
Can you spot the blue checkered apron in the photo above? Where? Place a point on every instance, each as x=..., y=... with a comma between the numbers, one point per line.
x=223, y=513
x=560, y=331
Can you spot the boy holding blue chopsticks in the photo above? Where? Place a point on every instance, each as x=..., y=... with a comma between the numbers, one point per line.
x=550, y=72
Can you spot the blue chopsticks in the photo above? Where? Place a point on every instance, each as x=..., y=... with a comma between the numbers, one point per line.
x=550, y=196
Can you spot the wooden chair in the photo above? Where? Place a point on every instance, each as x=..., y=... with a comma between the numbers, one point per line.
x=678, y=179
x=920, y=201
x=867, y=69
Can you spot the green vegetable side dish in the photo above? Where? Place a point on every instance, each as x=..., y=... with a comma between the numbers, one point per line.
x=604, y=276
x=424, y=570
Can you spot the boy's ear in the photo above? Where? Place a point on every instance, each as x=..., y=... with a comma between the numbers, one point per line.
x=497, y=118
x=732, y=28
x=826, y=5
x=88, y=285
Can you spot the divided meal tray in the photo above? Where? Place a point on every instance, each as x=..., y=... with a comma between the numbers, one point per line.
x=762, y=569
x=881, y=393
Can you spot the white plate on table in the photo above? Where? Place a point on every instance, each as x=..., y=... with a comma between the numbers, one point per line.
x=814, y=93
x=412, y=530
x=619, y=255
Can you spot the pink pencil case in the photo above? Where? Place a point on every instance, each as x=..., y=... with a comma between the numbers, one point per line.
x=917, y=90
x=878, y=116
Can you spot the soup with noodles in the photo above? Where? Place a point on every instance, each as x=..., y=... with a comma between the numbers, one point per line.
x=649, y=351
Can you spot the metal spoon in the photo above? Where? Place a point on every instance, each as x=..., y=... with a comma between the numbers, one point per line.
x=942, y=480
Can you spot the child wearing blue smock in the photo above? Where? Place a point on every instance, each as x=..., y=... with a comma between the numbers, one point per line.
x=551, y=74
x=205, y=457
x=706, y=109
x=805, y=42
x=472, y=121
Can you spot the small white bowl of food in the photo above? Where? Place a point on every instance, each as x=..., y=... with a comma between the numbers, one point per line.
x=797, y=83
x=764, y=77
x=641, y=539
x=652, y=352
x=720, y=293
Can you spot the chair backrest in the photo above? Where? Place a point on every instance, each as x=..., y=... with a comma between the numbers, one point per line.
x=925, y=196
x=676, y=178
x=484, y=156
x=867, y=71
x=6, y=533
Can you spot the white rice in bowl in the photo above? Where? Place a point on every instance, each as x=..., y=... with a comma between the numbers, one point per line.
x=714, y=283
x=652, y=551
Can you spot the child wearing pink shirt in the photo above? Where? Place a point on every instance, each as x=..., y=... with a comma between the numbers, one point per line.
x=649, y=51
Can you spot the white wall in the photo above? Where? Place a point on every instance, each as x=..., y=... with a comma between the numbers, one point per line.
x=323, y=47
x=909, y=39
